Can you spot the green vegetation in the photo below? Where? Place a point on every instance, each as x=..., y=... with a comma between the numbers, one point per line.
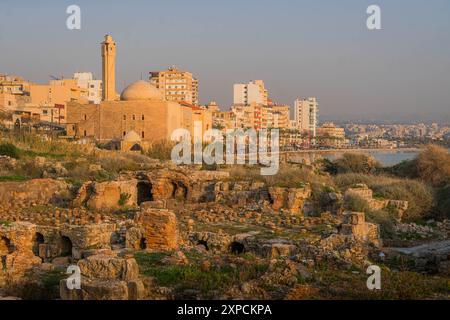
x=352, y=162
x=191, y=275
x=10, y=150
x=396, y=285
x=124, y=197
x=160, y=150
x=12, y=178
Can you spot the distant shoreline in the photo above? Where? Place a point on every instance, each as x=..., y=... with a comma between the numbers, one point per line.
x=354, y=150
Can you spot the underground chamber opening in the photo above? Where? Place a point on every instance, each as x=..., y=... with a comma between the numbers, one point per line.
x=5, y=246
x=37, y=241
x=236, y=247
x=144, y=192
x=143, y=244
x=203, y=243
x=179, y=191
x=66, y=246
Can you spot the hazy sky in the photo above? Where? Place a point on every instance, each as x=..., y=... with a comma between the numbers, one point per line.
x=299, y=48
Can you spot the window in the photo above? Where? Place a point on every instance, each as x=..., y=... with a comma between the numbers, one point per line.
x=143, y=117
x=85, y=133
x=134, y=117
x=44, y=112
x=124, y=133
x=124, y=117
x=143, y=135
x=85, y=117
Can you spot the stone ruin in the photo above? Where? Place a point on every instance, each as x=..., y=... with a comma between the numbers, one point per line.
x=364, y=192
x=100, y=241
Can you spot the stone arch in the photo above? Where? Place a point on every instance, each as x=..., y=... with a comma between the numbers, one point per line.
x=66, y=246
x=203, y=243
x=180, y=191
x=236, y=247
x=38, y=239
x=144, y=192
x=6, y=246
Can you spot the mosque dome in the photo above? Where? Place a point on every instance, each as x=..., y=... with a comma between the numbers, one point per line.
x=141, y=90
x=132, y=136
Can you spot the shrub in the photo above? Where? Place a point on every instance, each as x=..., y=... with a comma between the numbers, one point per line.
x=433, y=165
x=357, y=204
x=419, y=196
x=124, y=197
x=10, y=150
x=443, y=201
x=353, y=162
x=161, y=150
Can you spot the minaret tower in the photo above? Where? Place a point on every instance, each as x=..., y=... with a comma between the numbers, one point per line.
x=109, y=68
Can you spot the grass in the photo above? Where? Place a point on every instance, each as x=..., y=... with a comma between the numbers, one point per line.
x=191, y=276
x=395, y=285
x=419, y=196
x=14, y=178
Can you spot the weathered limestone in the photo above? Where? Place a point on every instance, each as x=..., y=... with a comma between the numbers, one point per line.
x=159, y=229
x=32, y=192
x=93, y=236
x=240, y=193
x=354, y=224
x=289, y=199
x=360, y=190
x=398, y=207
x=16, y=250
x=107, y=195
x=106, y=277
x=106, y=267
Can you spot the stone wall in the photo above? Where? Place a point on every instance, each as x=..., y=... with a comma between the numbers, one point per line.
x=16, y=250
x=32, y=192
x=290, y=200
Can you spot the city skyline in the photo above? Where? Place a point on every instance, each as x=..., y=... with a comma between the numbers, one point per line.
x=353, y=71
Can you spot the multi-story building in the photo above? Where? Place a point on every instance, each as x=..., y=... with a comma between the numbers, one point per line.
x=252, y=92
x=85, y=80
x=12, y=91
x=280, y=117
x=306, y=114
x=176, y=85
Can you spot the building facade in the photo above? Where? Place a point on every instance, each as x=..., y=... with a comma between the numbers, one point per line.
x=249, y=93
x=176, y=85
x=306, y=114
x=85, y=80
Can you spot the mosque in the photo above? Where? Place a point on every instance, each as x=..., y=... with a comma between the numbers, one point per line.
x=134, y=120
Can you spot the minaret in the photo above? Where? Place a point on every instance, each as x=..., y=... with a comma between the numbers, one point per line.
x=109, y=68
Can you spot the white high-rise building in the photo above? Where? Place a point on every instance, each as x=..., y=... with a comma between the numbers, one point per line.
x=252, y=92
x=86, y=80
x=306, y=114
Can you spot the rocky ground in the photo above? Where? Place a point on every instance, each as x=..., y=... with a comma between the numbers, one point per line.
x=157, y=231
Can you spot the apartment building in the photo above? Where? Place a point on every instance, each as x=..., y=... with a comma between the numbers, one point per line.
x=176, y=85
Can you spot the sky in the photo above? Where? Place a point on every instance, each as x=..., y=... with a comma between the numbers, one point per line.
x=299, y=48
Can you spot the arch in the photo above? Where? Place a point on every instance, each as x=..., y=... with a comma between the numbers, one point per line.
x=6, y=246
x=38, y=239
x=136, y=147
x=236, y=247
x=144, y=192
x=179, y=191
x=66, y=246
x=203, y=243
